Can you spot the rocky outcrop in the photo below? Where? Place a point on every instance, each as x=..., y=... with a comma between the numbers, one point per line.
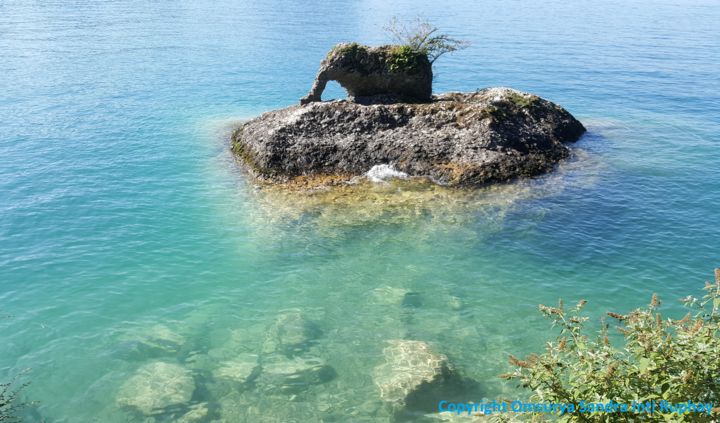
x=156, y=387
x=154, y=341
x=409, y=365
x=240, y=369
x=291, y=334
x=283, y=375
x=397, y=73
x=491, y=135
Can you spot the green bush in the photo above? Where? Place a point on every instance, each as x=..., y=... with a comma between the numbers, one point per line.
x=422, y=37
x=661, y=359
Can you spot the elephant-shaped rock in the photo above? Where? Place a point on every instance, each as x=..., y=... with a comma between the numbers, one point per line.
x=385, y=74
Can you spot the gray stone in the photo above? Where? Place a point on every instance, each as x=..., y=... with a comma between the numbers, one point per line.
x=492, y=135
x=391, y=71
x=283, y=375
x=389, y=295
x=408, y=365
x=156, y=387
x=152, y=341
x=197, y=413
x=291, y=334
x=240, y=369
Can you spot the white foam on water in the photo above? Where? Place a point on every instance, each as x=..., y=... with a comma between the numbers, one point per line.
x=384, y=172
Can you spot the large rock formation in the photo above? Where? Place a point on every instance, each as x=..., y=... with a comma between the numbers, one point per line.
x=156, y=387
x=409, y=365
x=240, y=369
x=398, y=73
x=291, y=334
x=283, y=375
x=154, y=341
x=491, y=135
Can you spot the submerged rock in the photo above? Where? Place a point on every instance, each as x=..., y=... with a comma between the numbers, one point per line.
x=240, y=369
x=291, y=334
x=156, y=387
x=282, y=375
x=152, y=341
x=197, y=413
x=389, y=295
x=491, y=135
x=409, y=365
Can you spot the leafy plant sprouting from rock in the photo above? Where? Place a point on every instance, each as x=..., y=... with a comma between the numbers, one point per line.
x=420, y=36
x=662, y=359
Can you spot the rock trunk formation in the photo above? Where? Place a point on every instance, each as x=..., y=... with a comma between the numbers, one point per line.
x=396, y=73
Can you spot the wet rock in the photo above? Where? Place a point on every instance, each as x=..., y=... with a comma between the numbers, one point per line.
x=156, y=387
x=491, y=135
x=412, y=299
x=455, y=303
x=199, y=362
x=291, y=334
x=408, y=366
x=197, y=413
x=388, y=295
x=240, y=369
x=154, y=341
x=283, y=375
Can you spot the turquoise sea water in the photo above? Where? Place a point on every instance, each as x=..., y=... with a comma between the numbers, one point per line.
x=123, y=217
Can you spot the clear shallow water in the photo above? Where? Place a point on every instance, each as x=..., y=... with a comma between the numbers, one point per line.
x=121, y=208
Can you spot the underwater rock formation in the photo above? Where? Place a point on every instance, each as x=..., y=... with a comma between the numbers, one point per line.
x=156, y=387
x=282, y=375
x=408, y=366
x=240, y=369
x=491, y=135
x=291, y=334
x=154, y=341
x=397, y=73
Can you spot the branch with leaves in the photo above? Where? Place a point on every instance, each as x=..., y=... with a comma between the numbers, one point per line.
x=422, y=36
x=661, y=359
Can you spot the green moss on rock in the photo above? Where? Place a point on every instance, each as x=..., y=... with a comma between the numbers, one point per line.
x=523, y=100
x=403, y=58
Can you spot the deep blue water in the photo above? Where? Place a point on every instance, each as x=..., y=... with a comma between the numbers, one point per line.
x=123, y=214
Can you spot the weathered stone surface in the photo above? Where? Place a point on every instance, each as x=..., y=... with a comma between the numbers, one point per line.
x=491, y=135
x=408, y=365
x=152, y=341
x=394, y=72
x=282, y=375
x=196, y=414
x=389, y=295
x=291, y=334
x=239, y=369
x=157, y=386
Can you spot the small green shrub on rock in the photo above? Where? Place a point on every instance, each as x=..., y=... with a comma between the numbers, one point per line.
x=661, y=359
x=422, y=37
